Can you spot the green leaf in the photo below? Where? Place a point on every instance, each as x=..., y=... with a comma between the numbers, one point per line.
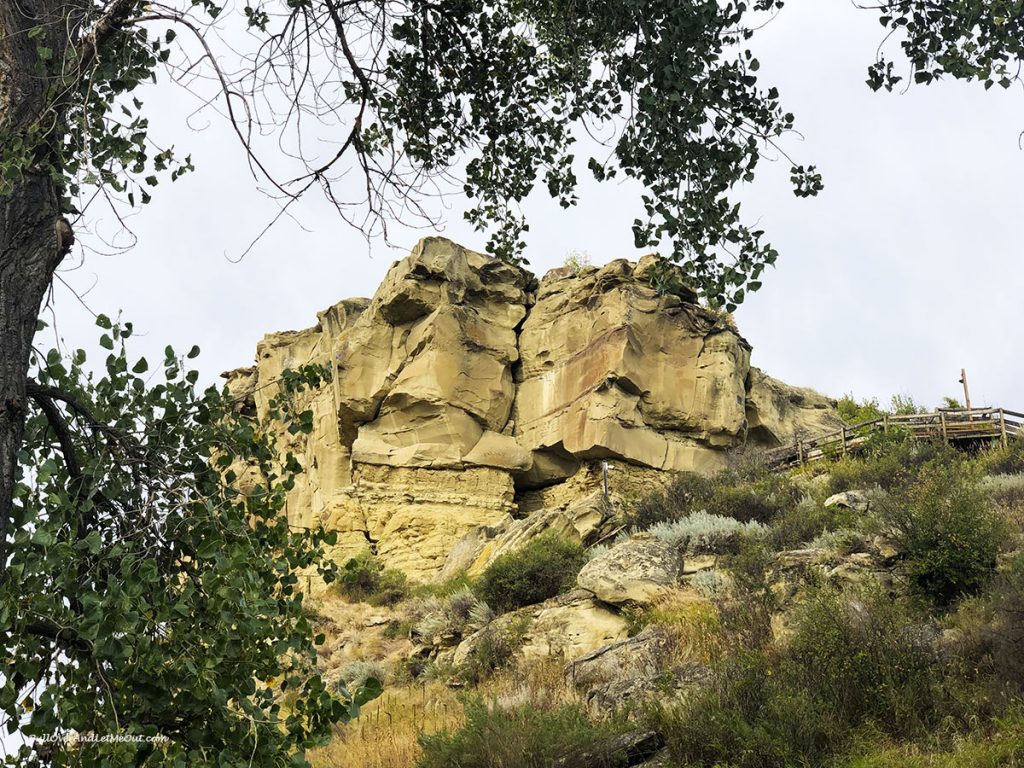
x=42, y=537
x=141, y=366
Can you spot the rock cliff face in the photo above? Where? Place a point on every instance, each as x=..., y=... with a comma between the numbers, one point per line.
x=467, y=393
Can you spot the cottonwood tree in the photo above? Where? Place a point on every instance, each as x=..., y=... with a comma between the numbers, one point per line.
x=410, y=99
x=151, y=600
x=379, y=106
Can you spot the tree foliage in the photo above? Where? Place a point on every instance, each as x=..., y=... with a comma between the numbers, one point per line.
x=488, y=99
x=149, y=597
x=972, y=40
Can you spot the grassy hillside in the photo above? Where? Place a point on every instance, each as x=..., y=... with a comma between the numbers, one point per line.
x=883, y=627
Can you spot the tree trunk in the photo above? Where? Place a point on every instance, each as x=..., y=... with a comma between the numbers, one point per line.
x=29, y=254
x=33, y=235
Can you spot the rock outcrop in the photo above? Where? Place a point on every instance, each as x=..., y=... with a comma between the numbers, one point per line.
x=467, y=394
x=634, y=572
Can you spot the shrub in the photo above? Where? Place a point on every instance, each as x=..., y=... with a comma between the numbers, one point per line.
x=808, y=520
x=851, y=662
x=858, y=655
x=1005, y=491
x=539, y=570
x=456, y=615
x=357, y=673
x=365, y=579
x=1004, y=460
x=526, y=736
x=991, y=628
x=745, y=719
x=701, y=532
x=853, y=412
x=688, y=492
x=494, y=649
x=891, y=460
x=747, y=613
x=948, y=533
x=749, y=492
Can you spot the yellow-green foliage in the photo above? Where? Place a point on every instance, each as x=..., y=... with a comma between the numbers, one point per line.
x=1003, y=747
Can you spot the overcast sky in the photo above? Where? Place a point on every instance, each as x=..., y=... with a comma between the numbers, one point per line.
x=905, y=269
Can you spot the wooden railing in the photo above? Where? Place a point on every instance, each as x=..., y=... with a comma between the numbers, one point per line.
x=951, y=425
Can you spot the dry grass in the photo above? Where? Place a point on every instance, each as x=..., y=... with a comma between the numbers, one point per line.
x=386, y=735
x=694, y=624
x=387, y=732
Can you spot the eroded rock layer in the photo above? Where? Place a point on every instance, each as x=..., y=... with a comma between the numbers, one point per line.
x=467, y=393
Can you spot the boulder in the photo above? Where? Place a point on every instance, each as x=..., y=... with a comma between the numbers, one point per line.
x=624, y=674
x=564, y=627
x=626, y=750
x=855, y=501
x=636, y=571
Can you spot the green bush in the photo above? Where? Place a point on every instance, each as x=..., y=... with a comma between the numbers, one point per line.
x=1004, y=460
x=541, y=569
x=745, y=719
x=891, y=460
x=852, y=662
x=853, y=412
x=365, y=579
x=746, y=616
x=494, y=649
x=808, y=520
x=687, y=493
x=859, y=655
x=526, y=736
x=748, y=493
x=947, y=531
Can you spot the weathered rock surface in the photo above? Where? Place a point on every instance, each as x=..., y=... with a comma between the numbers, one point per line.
x=778, y=413
x=625, y=673
x=467, y=393
x=564, y=627
x=855, y=501
x=634, y=572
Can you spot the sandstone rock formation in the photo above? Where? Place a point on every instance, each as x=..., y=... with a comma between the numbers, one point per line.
x=466, y=393
x=635, y=572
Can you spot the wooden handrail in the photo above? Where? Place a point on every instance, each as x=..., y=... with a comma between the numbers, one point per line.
x=949, y=424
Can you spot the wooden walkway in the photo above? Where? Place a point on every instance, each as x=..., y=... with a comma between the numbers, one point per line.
x=953, y=426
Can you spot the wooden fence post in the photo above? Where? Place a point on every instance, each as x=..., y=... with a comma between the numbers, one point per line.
x=942, y=419
x=1002, y=427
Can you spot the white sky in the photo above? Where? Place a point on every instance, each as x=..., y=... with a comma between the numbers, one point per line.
x=903, y=270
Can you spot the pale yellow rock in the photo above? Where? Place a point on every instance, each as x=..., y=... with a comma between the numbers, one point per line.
x=413, y=517
x=633, y=572
x=612, y=369
x=467, y=393
x=571, y=626
x=778, y=414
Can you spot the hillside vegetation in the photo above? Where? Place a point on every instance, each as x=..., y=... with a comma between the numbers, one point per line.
x=861, y=613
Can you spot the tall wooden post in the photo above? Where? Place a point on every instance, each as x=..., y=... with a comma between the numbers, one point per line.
x=967, y=392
